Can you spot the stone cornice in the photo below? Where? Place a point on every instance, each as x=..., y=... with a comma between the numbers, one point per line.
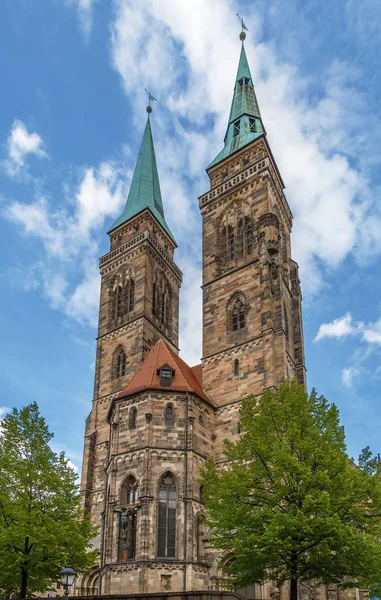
x=146, y=237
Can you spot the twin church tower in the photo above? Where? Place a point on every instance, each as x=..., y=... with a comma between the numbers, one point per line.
x=154, y=419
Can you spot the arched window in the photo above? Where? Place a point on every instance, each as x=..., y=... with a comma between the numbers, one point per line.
x=169, y=416
x=132, y=418
x=248, y=235
x=201, y=530
x=201, y=420
x=230, y=243
x=239, y=244
x=128, y=519
x=238, y=318
x=154, y=299
x=131, y=298
x=236, y=367
x=120, y=363
x=119, y=301
x=166, y=546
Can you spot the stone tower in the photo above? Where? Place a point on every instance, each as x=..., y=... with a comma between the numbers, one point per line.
x=139, y=304
x=155, y=420
x=252, y=321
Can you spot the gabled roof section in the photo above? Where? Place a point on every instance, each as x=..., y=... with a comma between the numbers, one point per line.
x=147, y=377
x=245, y=121
x=145, y=186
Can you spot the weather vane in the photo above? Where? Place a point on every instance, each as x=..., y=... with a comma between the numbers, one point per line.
x=242, y=35
x=150, y=98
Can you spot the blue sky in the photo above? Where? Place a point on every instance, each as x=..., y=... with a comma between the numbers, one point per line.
x=71, y=120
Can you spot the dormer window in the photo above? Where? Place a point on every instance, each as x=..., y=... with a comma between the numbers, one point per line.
x=253, y=125
x=236, y=128
x=166, y=373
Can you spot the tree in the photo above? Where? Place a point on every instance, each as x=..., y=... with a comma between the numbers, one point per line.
x=42, y=527
x=290, y=504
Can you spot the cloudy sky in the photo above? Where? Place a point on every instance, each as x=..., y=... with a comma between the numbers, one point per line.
x=71, y=120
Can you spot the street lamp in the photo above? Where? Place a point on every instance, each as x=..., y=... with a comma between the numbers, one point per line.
x=68, y=576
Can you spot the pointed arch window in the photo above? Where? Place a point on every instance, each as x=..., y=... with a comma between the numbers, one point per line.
x=132, y=416
x=237, y=314
x=154, y=299
x=201, y=530
x=128, y=520
x=169, y=416
x=239, y=244
x=131, y=296
x=119, y=301
x=248, y=235
x=166, y=546
x=120, y=362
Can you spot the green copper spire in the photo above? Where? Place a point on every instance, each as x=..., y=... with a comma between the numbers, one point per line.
x=245, y=121
x=145, y=187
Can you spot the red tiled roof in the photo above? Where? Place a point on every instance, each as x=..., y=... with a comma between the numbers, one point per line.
x=185, y=379
x=197, y=372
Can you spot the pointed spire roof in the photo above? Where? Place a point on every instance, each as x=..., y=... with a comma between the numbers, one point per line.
x=145, y=187
x=245, y=121
x=184, y=379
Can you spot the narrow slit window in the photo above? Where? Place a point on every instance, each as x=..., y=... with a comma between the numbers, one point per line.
x=236, y=367
x=132, y=418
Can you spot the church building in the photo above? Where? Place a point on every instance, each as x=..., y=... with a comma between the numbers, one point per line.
x=154, y=419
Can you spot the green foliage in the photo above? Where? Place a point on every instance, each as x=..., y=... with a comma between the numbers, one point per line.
x=42, y=527
x=292, y=505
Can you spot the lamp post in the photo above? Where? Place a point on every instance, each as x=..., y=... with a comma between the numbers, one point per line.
x=68, y=576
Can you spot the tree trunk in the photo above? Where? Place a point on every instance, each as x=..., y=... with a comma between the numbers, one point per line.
x=24, y=581
x=24, y=571
x=293, y=589
x=294, y=576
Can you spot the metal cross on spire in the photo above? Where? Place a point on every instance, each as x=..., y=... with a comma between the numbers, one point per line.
x=242, y=35
x=150, y=98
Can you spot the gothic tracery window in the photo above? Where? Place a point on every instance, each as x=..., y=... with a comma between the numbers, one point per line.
x=161, y=301
x=237, y=313
x=128, y=519
x=236, y=237
x=167, y=517
x=122, y=298
x=120, y=361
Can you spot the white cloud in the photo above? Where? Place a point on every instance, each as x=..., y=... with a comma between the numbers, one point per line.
x=68, y=235
x=20, y=144
x=84, y=10
x=3, y=411
x=72, y=466
x=338, y=328
x=347, y=376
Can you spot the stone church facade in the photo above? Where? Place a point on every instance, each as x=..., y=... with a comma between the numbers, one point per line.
x=154, y=419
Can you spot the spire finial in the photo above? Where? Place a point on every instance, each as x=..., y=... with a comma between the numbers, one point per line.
x=150, y=98
x=242, y=35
